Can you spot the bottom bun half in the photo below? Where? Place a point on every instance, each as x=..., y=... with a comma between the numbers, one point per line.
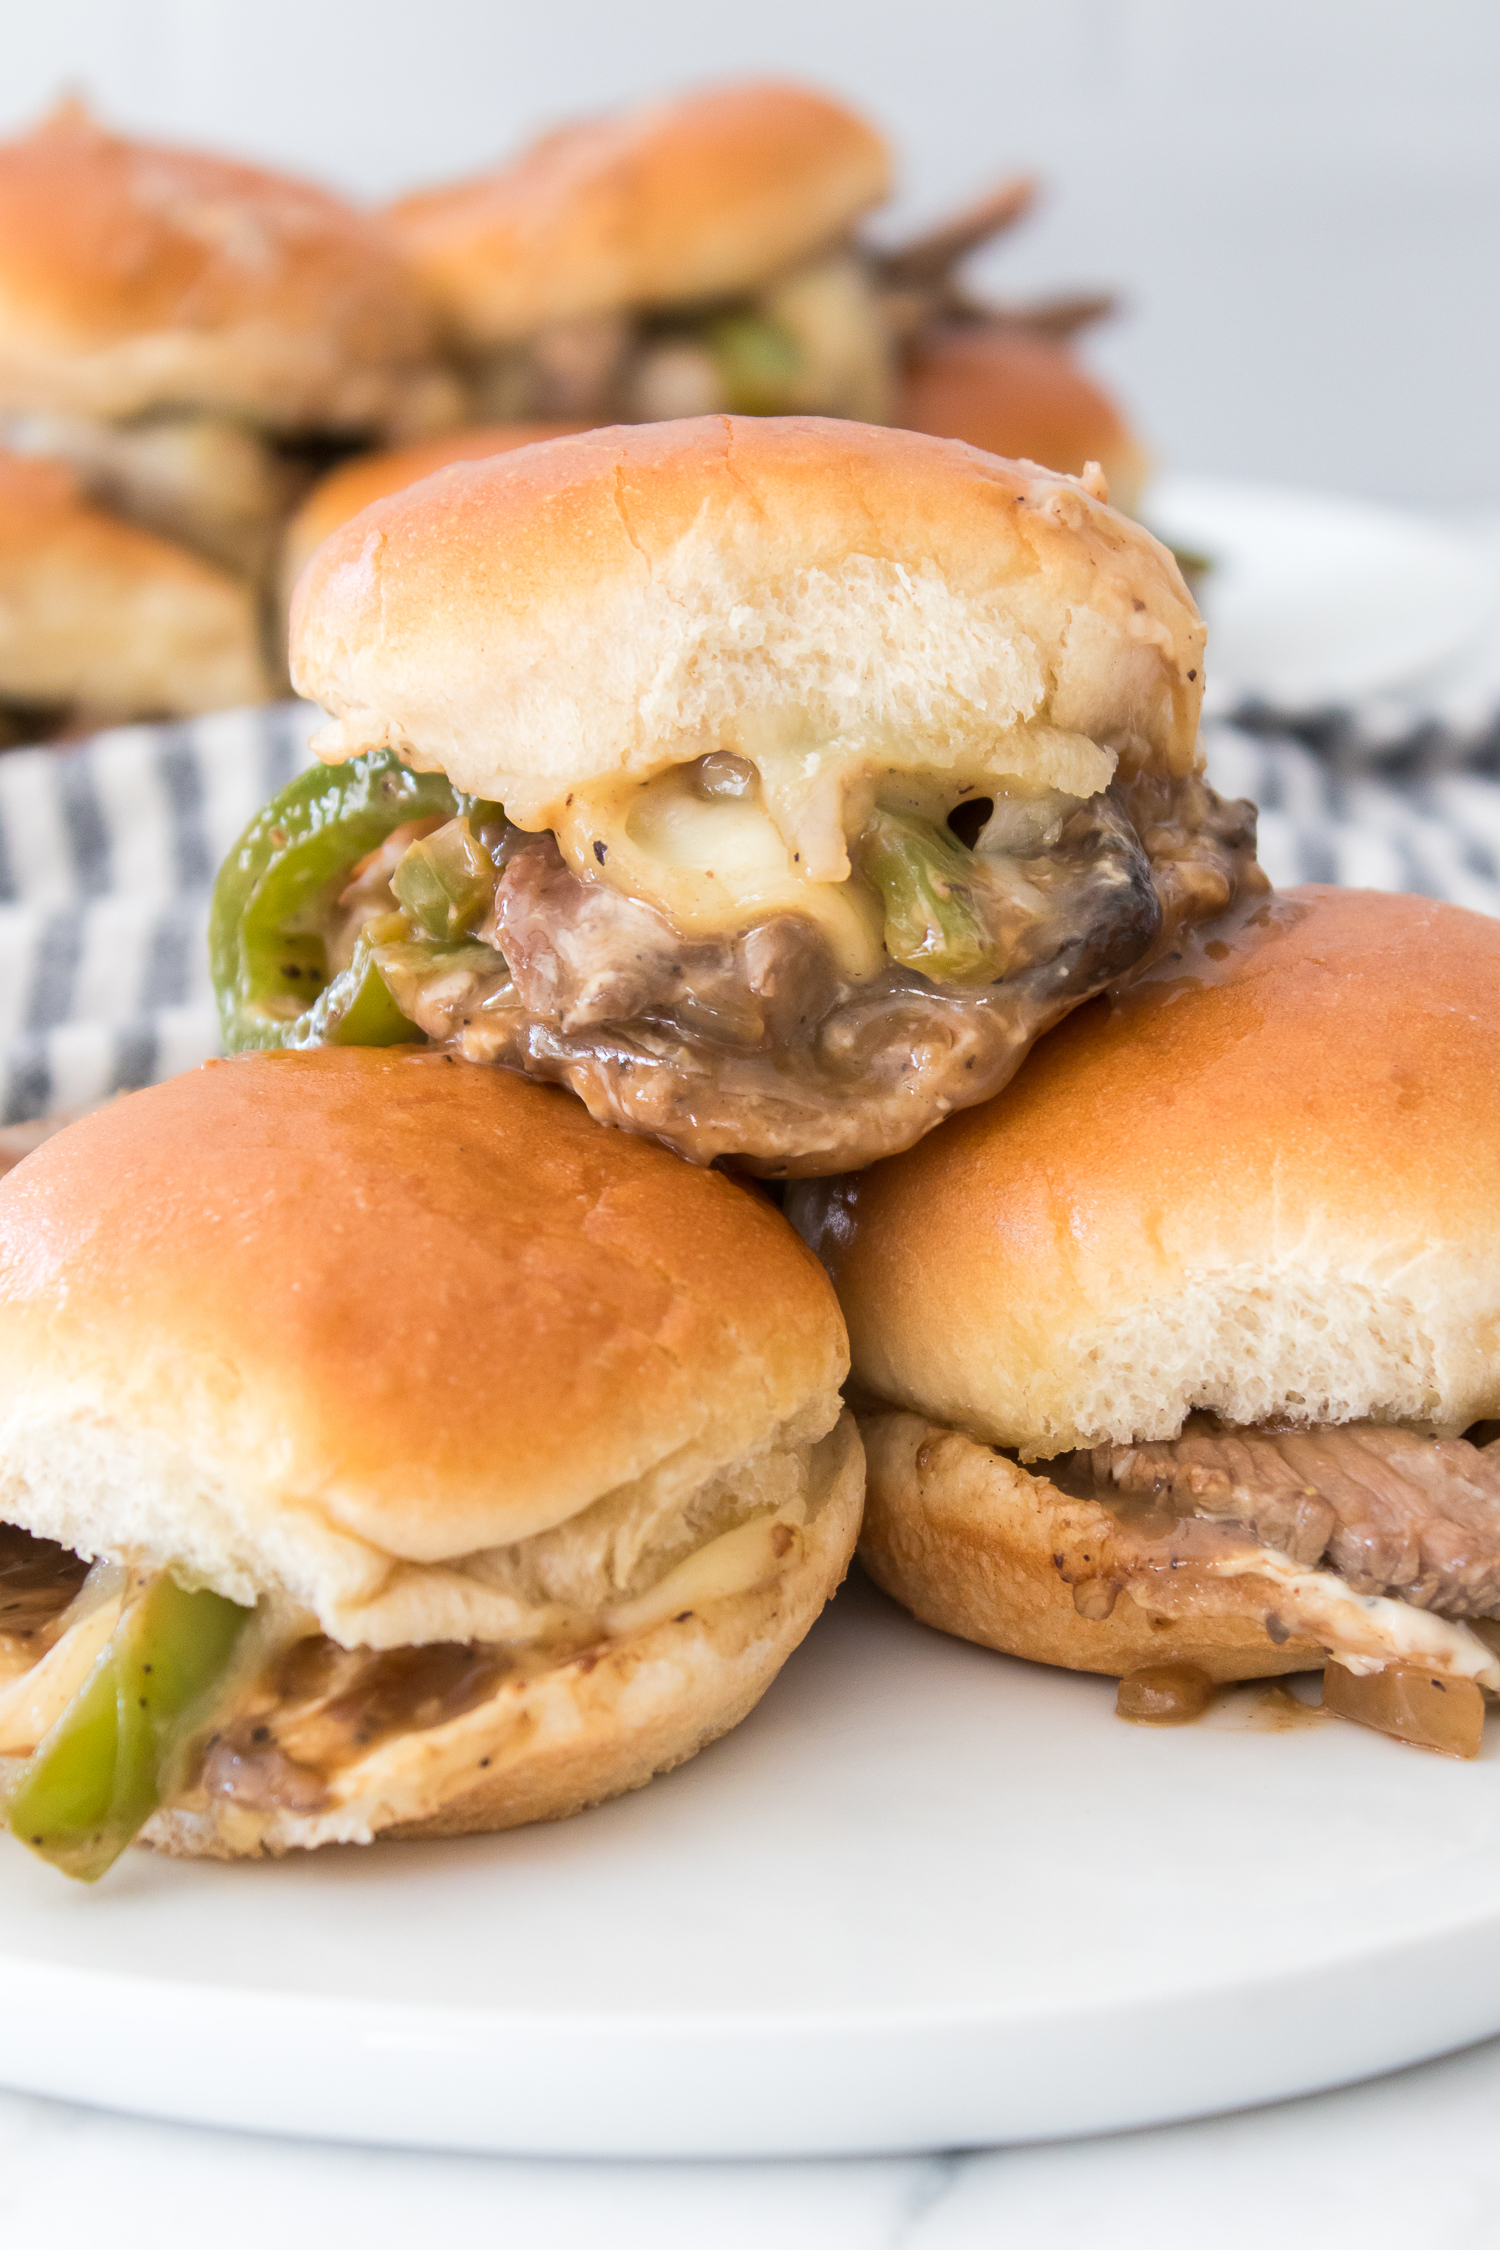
x=971, y=1542
x=555, y=1739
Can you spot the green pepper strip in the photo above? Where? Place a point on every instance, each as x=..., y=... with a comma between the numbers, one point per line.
x=445, y=881
x=102, y=1769
x=927, y=885
x=276, y=889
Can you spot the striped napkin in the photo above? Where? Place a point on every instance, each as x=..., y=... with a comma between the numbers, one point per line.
x=108, y=852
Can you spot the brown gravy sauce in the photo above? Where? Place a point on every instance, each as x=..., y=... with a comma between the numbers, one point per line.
x=1164, y=1695
x=322, y=1707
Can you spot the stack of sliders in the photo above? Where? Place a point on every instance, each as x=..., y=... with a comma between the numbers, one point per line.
x=390, y=1451
x=1179, y=1361
x=187, y=338
x=773, y=784
x=387, y=1448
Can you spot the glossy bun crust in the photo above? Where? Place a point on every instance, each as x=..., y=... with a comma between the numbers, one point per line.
x=695, y=198
x=316, y=1323
x=974, y=1544
x=576, y=610
x=1265, y=1181
x=134, y=276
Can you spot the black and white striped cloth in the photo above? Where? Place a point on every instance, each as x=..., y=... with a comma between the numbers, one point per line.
x=108, y=853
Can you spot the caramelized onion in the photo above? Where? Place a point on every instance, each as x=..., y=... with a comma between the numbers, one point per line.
x=1164, y=1695
x=1412, y=1704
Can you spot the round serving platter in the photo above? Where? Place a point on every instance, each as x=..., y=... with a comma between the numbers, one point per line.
x=924, y=1897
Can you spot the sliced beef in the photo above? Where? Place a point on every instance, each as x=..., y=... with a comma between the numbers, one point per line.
x=583, y=955
x=1391, y=1512
x=326, y=1706
x=757, y=1047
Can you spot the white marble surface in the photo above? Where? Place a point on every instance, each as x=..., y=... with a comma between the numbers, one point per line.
x=1410, y=2162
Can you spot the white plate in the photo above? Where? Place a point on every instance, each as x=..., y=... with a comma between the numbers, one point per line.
x=925, y=1896
x=1315, y=600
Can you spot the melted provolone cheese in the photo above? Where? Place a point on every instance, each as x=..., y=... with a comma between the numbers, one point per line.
x=715, y=866
x=1365, y=1632
x=718, y=865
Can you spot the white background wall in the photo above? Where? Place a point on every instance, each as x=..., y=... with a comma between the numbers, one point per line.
x=1300, y=198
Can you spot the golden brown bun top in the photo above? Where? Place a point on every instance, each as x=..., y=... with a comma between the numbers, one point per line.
x=584, y=608
x=370, y=476
x=135, y=276
x=1265, y=1181
x=1023, y=395
x=700, y=197
x=431, y=1302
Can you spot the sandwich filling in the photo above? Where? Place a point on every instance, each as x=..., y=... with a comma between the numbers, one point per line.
x=811, y=341
x=1381, y=1544
x=798, y=961
x=207, y=481
x=125, y=1695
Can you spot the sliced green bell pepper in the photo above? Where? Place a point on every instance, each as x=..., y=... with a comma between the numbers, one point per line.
x=927, y=884
x=276, y=891
x=103, y=1768
x=445, y=881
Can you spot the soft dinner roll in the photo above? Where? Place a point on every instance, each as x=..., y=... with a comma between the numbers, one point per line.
x=523, y=1438
x=1170, y=1349
x=100, y=621
x=136, y=277
x=559, y=617
x=701, y=197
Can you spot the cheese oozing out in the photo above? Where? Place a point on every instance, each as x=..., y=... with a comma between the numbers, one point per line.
x=716, y=862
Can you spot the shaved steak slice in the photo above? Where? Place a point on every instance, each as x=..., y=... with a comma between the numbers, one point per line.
x=1391, y=1512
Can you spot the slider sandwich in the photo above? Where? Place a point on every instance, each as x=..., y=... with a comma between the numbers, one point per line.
x=703, y=255
x=193, y=336
x=772, y=784
x=687, y=257
x=387, y=1451
x=1180, y=1360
